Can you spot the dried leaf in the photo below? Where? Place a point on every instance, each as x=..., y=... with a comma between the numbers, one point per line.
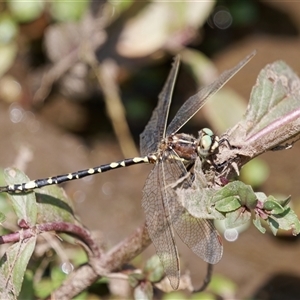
x=273, y=113
x=154, y=28
x=197, y=198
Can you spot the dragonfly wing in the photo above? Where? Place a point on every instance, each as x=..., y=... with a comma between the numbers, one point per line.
x=156, y=127
x=158, y=225
x=195, y=102
x=198, y=234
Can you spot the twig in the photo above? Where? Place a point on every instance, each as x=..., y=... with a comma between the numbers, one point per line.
x=206, y=280
x=83, y=277
x=72, y=229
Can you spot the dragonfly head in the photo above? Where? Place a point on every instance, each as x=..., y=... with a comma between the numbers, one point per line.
x=208, y=143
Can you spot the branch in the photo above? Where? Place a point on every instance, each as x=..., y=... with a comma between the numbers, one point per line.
x=72, y=229
x=83, y=277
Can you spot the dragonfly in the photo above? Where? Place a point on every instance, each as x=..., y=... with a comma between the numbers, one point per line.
x=173, y=155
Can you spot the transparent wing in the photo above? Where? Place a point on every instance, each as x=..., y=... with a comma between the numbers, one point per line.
x=156, y=127
x=198, y=234
x=158, y=224
x=163, y=212
x=194, y=103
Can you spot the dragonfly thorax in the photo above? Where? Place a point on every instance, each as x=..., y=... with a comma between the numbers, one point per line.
x=184, y=145
x=208, y=142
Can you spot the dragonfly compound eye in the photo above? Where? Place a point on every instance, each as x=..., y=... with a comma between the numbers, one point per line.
x=208, y=142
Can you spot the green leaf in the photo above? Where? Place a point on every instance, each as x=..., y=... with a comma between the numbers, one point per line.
x=24, y=204
x=223, y=286
x=82, y=296
x=262, y=197
x=287, y=220
x=5, y=206
x=134, y=279
x=270, y=202
x=175, y=296
x=46, y=286
x=120, y=6
x=43, y=288
x=277, y=214
x=57, y=276
x=68, y=10
x=258, y=225
x=27, y=291
x=143, y=291
x=8, y=29
x=273, y=224
x=228, y=204
x=236, y=190
x=2, y=217
x=54, y=205
x=283, y=202
x=203, y=296
x=8, y=53
x=273, y=206
x=13, y=265
x=255, y=172
x=26, y=11
x=154, y=269
x=237, y=218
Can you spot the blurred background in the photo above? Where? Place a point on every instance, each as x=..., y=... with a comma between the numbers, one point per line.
x=79, y=81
